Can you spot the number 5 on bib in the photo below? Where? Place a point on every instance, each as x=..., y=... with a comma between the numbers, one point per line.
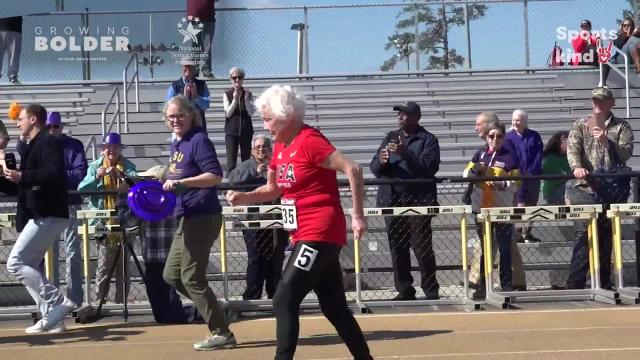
x=306, y=257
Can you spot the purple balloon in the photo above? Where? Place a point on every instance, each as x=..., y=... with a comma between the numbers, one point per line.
x=149, y=202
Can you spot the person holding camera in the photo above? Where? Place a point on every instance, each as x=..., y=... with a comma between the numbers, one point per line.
x=411, y=152
x=195, y=90
x=238, y=110
x=600, y=143
x=108, y=173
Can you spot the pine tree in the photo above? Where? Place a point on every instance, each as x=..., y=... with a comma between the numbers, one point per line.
x=432, y=41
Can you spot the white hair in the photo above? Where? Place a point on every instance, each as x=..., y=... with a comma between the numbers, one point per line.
x=519, y=113
x=283, y=102
x=267, y=141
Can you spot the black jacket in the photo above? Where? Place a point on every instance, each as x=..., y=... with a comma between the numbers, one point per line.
x=421, y=161
x=42, y=192
x=239, y=123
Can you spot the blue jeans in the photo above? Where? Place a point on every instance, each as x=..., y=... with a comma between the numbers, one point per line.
x=26, y=255
x=580, y=258
x=73, y=252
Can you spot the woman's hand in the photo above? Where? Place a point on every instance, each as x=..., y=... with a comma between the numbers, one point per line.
x=170, y=185
x=235, y=198
x=359, y=226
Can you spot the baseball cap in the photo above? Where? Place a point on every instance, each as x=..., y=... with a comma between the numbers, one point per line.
x=112, y=138
x=408, y=108
x=585, y=23
x=602, y=93
x=53, y=118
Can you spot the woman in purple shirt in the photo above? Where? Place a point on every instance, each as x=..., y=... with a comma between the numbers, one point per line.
x=193, y=173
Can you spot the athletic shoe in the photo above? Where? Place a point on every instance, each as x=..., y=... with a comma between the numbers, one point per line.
x=58, y=313
x=216, y=341
x=13, y=80
x=58, y=328
x=36, y=328
x=404, y=297
x=530, y=239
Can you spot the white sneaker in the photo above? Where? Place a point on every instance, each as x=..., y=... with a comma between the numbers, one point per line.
x=57, y=313
x=36, y=328
x=58, y=328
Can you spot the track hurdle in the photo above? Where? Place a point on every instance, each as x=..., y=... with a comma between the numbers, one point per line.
x=628, y=294
x=461, y=211
x=504, y=299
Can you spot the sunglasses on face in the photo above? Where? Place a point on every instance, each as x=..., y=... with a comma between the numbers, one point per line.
x=626, y=25
x=56, y=127
x=494, y=136
x=237, y=78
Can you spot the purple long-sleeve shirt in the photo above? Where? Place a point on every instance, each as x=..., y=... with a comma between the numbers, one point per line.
x=528, y=150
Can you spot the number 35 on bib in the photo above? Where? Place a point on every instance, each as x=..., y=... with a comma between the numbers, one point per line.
x=289, y=215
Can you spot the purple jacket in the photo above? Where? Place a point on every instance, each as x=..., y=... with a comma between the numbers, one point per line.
x=528, y=151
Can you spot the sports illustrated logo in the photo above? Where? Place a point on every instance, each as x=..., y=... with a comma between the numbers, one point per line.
x=192, y=53
x=191, y=32
x=82, y=38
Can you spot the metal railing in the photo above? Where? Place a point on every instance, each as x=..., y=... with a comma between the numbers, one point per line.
x=125, y=88
x=91, y=144
x=116, y=113
x=625, y=75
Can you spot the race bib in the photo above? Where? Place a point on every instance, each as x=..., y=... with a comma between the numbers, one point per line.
x=289, y=215
x=306, y=257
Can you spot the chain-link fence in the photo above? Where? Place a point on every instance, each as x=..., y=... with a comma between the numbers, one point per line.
x=403, y=256
x=340, y=38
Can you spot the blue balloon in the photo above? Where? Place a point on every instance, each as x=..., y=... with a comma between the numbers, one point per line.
x=150, y=202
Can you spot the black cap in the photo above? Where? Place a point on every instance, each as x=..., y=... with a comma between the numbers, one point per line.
x=585, y=23
x=408, y=108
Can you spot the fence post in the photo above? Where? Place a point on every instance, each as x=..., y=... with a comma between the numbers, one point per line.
x=526, y=34
x=223, y=259
x=636, y=199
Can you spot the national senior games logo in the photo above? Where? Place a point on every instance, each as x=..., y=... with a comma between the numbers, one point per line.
x=81, y=38
x=193, y=52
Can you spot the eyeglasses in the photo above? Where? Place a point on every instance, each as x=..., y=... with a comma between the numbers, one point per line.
x=262, y=147
x=56, y=127
x=494, y=136
x=178, y=116
x=237, y=77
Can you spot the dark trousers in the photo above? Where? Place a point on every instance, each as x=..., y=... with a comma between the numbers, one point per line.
x=165, y=301
x=314, y=266
x=502, y=233
x=232, y=143
x=265, y=252
x=580, y=258
x=414, y=232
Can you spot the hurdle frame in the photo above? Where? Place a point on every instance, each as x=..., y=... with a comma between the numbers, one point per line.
x=505, y=299
x=463, y=211
x=628, y=294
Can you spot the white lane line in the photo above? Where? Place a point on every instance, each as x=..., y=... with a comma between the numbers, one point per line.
x=485, y=354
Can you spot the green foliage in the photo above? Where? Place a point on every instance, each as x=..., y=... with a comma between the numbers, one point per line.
x=434, y=22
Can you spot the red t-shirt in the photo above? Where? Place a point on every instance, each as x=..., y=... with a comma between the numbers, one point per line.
x=313, y=188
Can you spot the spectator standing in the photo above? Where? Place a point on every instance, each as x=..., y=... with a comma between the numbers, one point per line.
x=554, y=162
x=195, y=90
x=585, y=46
x=205, y=12
x=411, y=152
x=42, y=215
x=527, y=146
x=495, y=161
x=106, y=173
x=11, y=46
x=627, y=41
x=194, y=172
x=238, y=109
x=75, y=167
x=265, y=247
x=597, y=143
